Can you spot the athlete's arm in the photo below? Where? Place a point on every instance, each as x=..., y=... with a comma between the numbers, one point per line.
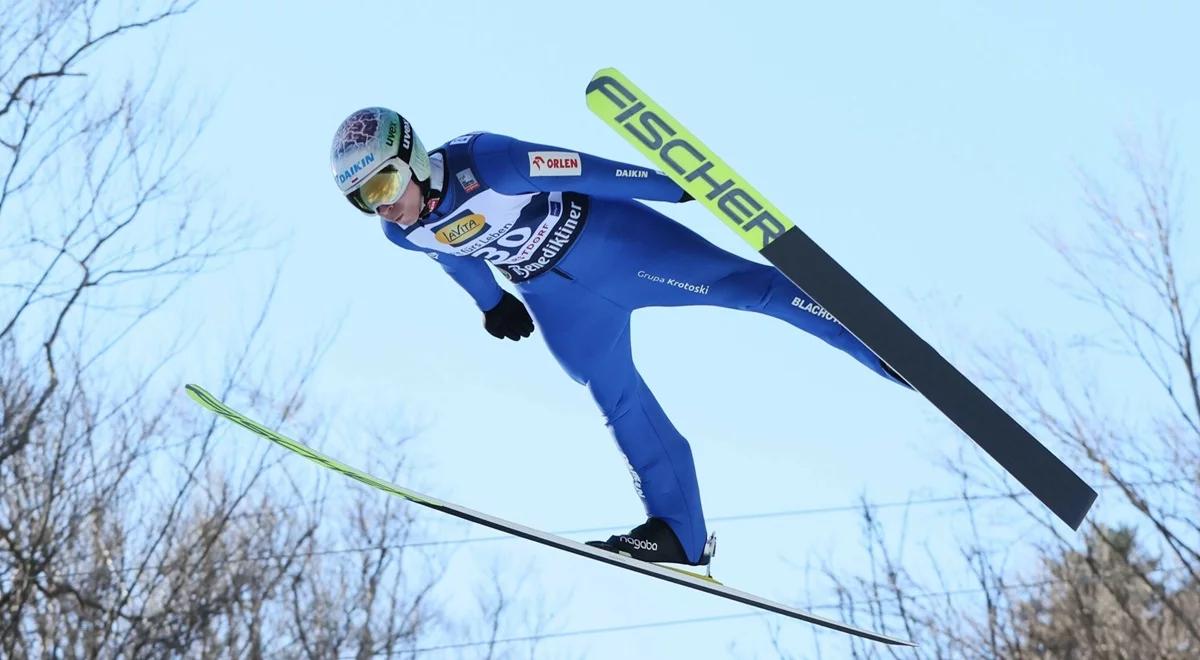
x=471, y=274
x=514, y=167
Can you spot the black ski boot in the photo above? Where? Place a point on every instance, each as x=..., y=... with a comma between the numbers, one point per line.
x=897, y=377
x=655, y=541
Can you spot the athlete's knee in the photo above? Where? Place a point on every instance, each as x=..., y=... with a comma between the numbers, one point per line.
x=616, y=398
x=578, y=363
x=750, y=288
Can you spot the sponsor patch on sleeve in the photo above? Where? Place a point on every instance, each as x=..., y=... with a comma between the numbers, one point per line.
x=463, y=139
x=633, y=174
x=467, y=179
x=555, y=163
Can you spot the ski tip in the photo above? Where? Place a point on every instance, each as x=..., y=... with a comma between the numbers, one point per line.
x=606, y=71
x=1074, y=515
x=603, y=80
x=890, y=641
x=202, y=397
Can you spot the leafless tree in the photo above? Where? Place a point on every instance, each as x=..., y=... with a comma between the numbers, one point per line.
x=124, y=529
x=1121, y=401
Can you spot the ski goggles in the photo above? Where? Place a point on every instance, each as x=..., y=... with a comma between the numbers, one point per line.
x=381, y=188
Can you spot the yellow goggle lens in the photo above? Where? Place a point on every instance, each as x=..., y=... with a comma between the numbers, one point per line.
x=384, y=187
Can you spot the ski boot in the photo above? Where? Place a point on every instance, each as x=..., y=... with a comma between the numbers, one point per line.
x=654, y=541
x=895, y=376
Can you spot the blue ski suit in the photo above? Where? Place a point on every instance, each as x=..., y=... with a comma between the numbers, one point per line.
x=563, y=226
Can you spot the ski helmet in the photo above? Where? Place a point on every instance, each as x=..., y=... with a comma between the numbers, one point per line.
x=375, y=154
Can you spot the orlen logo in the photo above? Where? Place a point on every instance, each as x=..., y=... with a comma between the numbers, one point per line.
x=461, y=231
x=555, y=163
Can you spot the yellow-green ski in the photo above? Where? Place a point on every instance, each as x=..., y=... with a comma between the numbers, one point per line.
x=683, y=157
x=686, y=578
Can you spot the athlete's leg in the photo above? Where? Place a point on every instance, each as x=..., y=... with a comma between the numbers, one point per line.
x=663, y=263
x=589, y=336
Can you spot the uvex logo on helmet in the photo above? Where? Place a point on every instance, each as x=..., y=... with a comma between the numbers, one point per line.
x=554, y=163
x=391, y=134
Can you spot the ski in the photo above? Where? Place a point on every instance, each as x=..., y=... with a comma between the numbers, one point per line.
x=680, y=577
x=676, y=151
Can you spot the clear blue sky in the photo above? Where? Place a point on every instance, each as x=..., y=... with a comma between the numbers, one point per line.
x=924, y=145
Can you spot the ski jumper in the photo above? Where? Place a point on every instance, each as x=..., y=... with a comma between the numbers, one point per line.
x=563, y=226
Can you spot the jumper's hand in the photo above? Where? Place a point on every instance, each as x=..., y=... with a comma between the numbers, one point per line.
x=508, y=318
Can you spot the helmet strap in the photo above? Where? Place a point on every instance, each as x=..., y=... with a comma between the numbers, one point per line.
x=431, y=188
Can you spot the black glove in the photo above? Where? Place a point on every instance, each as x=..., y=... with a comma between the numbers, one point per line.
x=508, y=318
